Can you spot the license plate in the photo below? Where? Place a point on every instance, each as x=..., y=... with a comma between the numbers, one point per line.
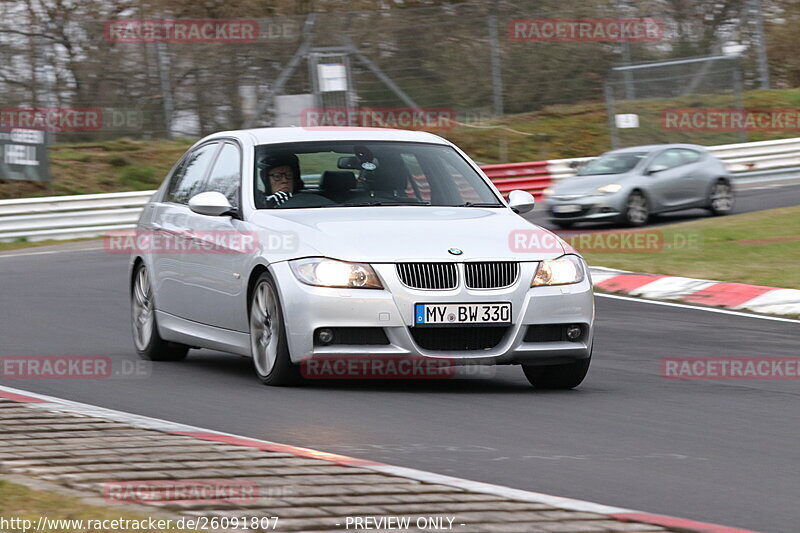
x=572, y=208
x=454, y=314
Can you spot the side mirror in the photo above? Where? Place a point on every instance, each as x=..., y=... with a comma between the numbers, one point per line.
x=521, y=201
x=210, y=203
x=655, y=169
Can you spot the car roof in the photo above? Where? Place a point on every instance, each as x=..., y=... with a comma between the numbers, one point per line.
x=649, y=148
x=299, y=134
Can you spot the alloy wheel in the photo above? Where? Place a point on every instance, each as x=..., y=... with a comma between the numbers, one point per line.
x=265, y=328
x=636, y=209
x=142, y=308
x=722, y=197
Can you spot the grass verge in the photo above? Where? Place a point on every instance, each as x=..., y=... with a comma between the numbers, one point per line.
x=19, y=503
x=553, y=132
x=760, y=248
x=101, y=167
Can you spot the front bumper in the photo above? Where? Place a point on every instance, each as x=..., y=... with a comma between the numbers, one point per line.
x=589, y=208
x=307, y=308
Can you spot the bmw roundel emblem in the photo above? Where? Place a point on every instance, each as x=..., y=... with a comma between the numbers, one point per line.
x=455, y=251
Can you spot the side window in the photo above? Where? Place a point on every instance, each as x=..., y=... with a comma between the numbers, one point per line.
x=226, y=174
x=690, y=156
x=669, y=159
x=188, y=179
x=172, y=178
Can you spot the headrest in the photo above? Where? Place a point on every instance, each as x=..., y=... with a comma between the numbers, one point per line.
x=337, y=181
x=388, y=178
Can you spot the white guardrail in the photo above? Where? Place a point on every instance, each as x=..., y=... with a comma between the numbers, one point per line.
x=70, y=217
x=91, y=215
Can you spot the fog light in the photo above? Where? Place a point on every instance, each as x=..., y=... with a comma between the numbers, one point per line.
x=573, y=332
x=325, y=336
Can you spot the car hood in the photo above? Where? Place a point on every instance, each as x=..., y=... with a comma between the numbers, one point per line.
x=403, y=233
x=588, y=184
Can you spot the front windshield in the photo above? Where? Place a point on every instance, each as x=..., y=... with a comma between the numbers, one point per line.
x=353, y=173
x=612, y=164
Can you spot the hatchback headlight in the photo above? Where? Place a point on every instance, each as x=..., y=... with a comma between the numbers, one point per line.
x=324, y=272
x=610, y=188
x=565, y=270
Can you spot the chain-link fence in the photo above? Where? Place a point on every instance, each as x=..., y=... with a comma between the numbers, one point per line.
x=683, y=100
x=466, y=56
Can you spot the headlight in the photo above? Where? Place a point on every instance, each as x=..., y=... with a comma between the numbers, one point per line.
x=610, y=188
x=548, y=191
x=324, y=272
x=562, y=271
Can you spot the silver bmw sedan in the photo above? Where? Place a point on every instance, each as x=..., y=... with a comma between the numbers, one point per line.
x=297, y=246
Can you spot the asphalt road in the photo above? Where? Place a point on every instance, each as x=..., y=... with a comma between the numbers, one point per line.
x=751, y=197
x=725, y=452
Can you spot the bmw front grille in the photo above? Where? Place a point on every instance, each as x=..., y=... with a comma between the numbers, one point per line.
x=444, y=276
x=431, y=276
x=490, y=275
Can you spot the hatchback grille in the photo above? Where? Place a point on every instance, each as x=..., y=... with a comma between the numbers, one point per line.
x=428, y=275
x=458, y=338
x=491, y=275
x=567, y=197
x=583, y=211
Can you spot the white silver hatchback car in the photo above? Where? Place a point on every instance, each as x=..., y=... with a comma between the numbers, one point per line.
x=294, y=246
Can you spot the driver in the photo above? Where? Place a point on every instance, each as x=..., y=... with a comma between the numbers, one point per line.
x=280, y=174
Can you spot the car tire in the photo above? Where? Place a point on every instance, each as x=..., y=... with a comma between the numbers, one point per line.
x=561, y=224
x=636, y=211
x=268, y=345
x=566, y=376
x=149, y=344
x=721, y=198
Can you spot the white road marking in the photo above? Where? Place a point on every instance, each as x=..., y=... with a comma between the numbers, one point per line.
x=606, y=269
x=24, y=254
x=498, y=490
x=697, y=308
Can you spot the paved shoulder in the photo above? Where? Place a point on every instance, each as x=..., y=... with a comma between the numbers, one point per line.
x=134, y=459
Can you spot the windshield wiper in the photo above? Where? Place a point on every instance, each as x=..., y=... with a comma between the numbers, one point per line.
x=365, y=204
x=478, y=204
